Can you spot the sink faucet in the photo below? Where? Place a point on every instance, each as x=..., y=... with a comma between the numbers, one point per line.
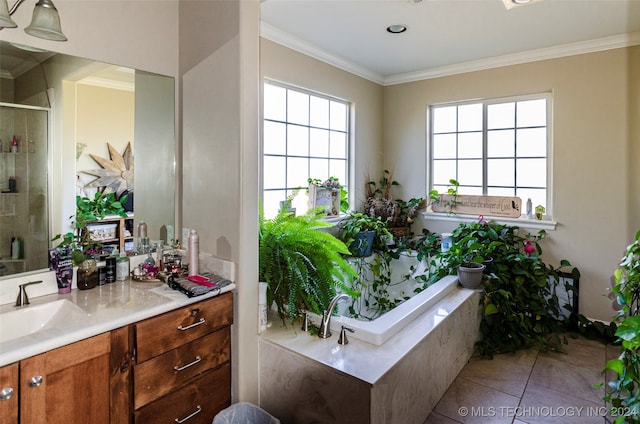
x=23, y=299
x=325, y=331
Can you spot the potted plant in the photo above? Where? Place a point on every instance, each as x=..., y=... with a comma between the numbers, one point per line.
x=362, y=232
x=301, y=264
x=404, y=215
x=378, y=197
x=470, y=272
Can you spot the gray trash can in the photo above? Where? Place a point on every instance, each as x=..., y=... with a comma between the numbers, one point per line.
x=244, y=413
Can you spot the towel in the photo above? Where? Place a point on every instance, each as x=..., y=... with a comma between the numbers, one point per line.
x=191, y=288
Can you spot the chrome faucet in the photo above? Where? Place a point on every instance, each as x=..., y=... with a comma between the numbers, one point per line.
x=325, y=331
x=23, y=299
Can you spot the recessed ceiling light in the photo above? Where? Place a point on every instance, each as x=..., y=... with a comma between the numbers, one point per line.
x=521, y=1
x=396, y=29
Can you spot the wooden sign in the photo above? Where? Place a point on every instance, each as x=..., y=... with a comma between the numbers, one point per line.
x=479, y=205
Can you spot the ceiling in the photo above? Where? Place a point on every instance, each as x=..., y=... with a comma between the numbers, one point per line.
x=445, y=37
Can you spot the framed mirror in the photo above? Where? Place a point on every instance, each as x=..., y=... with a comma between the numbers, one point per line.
x=73, y=119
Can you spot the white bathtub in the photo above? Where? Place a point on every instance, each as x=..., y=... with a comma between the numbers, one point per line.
x=383, y=328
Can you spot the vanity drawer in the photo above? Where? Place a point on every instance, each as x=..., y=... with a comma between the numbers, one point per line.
x=201, y=399
x=160, y=334
x=158, y=376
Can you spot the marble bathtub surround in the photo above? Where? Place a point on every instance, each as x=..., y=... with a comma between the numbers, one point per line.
x=306, y=379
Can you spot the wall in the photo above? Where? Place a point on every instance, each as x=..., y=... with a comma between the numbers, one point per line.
x=595, y=194
x=282, y=64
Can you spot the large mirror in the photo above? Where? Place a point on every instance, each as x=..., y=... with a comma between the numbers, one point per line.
x=74, y=121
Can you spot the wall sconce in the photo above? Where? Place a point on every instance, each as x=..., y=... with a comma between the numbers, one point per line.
x=45, y=22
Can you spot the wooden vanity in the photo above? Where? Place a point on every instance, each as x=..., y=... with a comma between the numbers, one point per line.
x=173, y=367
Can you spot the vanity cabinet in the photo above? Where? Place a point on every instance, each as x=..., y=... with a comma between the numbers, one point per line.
x=78, y=382
x=182, y=370
x=9, y=394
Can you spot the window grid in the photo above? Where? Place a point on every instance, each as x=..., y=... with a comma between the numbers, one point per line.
x=336, y=162
x=459, y=160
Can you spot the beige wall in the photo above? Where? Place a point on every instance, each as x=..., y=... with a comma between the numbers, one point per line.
x=592, y=139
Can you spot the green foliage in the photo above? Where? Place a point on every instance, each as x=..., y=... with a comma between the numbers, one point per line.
x=357, y=222
x=624, y=392
x=301, y=265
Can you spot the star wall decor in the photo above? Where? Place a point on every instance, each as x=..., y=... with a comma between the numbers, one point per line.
x=116, y=175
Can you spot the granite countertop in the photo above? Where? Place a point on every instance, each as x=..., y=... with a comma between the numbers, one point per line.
x=107, y=307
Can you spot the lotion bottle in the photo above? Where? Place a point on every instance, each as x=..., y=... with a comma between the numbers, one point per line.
x=194, y=252
x=262, y=307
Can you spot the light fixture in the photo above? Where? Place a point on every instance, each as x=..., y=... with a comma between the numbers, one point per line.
x=510, y=4
x=45, y=22
x=396, y=29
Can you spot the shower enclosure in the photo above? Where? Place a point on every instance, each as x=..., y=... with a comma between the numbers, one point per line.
x=24, y=222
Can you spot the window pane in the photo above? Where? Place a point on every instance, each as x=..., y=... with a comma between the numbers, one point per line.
x=471, y=191
x=443, y=171
x=537, y=196
x=297, y=172
x=275, y=102
x=337, y=144
x=274, y=172
x=300, y=202
x=500, y=191
x=532, y=113
x=271, y=202
x=500, y=143
x=500, y=172
x=338, y=116
x=532, y=142
x=470, y=145
x=297, y=107
x=338, y=169
x=275, y=138
x=444, y=119
x=444, y=146
x=298, y=144
x=470, y=117
x=319, y=168
x=470, y=172
x=501, y=115
x=319, y=143
x=319, y=112
x=531, y=172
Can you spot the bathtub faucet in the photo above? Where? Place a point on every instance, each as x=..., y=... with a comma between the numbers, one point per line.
x=325, y=330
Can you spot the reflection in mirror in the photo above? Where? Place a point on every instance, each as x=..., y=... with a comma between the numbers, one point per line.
x=87, y=107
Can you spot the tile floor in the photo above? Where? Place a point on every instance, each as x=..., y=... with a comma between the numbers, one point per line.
x=529, y=387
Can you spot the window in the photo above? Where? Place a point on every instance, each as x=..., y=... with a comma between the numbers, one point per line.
x=495, y=147
x=305, y=136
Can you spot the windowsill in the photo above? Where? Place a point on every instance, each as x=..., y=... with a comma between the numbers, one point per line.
x=544, y=224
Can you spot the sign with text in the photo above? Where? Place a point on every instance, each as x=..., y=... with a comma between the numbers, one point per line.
x=479, y=205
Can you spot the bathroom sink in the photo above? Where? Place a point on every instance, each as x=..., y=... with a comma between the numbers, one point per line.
x=33, y=318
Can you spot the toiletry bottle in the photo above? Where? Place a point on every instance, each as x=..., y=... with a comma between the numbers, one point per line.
x=111, y=268
x=529, y=208
x=14, y=145
x=122, y=266
x=194, y=252
x=15, y=248
x=262, y=307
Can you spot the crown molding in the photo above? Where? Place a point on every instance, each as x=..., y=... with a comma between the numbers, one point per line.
x=607, y=43
x=108, y=83
x=281, y=37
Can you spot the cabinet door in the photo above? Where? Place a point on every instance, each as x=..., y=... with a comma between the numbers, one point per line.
x=9, y=394
x=67, y=385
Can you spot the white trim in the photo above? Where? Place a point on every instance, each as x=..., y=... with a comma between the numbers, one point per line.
x=600, y=44
x=544, y=224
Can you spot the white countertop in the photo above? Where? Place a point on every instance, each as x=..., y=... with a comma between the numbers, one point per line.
x=108, y=307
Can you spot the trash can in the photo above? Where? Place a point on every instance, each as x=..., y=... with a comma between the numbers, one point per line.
x=244, y=413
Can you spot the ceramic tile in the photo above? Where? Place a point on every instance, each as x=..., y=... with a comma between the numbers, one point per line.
x=498, y=373
x=581, y=352
x=469, y=402
x=564, y=377
x=435, y=418
x=525, y=357
x=543, y=405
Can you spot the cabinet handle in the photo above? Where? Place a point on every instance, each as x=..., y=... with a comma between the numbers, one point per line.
x=6, y=393
x=190, y=364
x=35, y=381
x=193, y=414
x=195, y=324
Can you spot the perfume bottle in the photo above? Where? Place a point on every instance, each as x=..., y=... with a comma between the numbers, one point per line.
x=14, y=145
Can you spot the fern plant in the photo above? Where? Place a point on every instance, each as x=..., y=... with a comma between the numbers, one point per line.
x=301, y=265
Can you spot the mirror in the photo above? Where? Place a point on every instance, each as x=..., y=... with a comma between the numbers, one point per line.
x=65, y=112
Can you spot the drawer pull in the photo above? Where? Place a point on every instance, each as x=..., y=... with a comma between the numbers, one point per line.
x=188, y=417
x=195, y=324
x=190, y=364
x=5, y=394
x=35, y=381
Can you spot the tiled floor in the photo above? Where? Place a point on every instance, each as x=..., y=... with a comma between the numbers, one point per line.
x=529, y=387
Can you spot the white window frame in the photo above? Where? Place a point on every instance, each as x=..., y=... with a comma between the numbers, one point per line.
x=347, y=132
x=548, y=223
